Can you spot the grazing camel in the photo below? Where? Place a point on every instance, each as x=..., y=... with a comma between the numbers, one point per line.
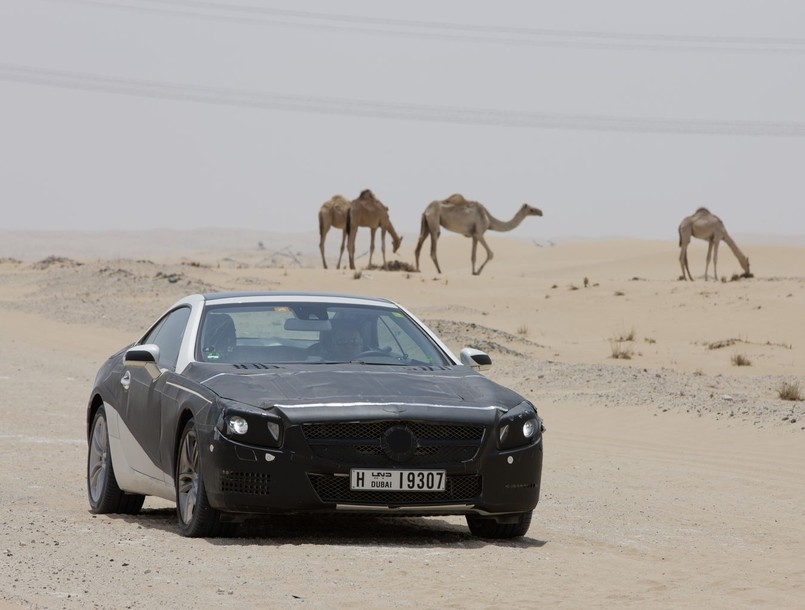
x=333, y=213
x=469, y=218
x=703, y=224
x=368, y=211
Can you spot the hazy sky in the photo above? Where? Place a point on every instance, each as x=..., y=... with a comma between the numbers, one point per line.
x=616, y=118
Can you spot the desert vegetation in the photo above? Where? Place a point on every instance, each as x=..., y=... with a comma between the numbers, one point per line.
x=790, y=390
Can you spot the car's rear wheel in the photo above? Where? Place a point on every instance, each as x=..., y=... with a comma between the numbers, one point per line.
x=197, y=519
x=490, y=527
x=105, y=496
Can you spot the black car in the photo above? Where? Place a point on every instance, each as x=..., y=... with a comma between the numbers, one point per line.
x=239, y=405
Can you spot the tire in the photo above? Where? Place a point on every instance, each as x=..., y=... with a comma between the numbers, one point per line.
x=489, y=527
x=197, y=519
x=102, y=489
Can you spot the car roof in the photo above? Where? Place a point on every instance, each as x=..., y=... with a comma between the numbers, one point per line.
x=274, y=295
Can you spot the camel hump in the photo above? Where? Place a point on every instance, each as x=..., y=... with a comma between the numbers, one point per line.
x=366, y=194
x=456, y=198
x=703, y=210
x=339, y=199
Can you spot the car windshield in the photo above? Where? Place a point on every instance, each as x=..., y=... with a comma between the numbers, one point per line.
x=295, y=332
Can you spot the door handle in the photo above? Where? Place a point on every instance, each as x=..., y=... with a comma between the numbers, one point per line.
x=125, y=381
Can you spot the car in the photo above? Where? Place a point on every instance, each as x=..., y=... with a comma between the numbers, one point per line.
x=244, y=405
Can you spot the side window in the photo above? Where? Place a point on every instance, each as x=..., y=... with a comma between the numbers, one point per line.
x=168, y=334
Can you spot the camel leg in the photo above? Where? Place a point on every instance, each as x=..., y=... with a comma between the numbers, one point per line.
x=683, y=259
x=418, y=248
x=489, y=254
x=709, y=256
x=423, y=235
x=343, y=244
x=351, y=246
x=434, y=237
x=686, y=267
x=371, y=245
x=715, y=259
x=322, y=235
x=383, y=246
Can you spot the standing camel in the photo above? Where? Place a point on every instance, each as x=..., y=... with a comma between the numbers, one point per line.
x=470, y=219
x=368, y=211
x=702, y=224
x=333, y=213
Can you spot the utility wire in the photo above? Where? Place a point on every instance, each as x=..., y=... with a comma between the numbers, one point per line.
x=451, y=32
x=388, y=110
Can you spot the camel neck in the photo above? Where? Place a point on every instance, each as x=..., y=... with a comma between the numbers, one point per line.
x=736, y=251
x=508, y=225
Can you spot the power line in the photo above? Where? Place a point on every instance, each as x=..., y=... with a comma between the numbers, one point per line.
x=451, y=32
x=388, y=110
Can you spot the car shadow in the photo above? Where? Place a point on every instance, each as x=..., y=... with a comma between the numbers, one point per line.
x=340, y=529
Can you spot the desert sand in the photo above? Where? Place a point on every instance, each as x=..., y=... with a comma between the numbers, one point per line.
x=674, y=477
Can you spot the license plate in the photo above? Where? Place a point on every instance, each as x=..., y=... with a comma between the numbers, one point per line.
x=367, y=479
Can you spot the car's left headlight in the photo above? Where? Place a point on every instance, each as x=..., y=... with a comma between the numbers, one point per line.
x=520, y=426
x=250, y=426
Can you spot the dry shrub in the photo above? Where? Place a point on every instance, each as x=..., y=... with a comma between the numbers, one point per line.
x=395, y=265
x=789, y=391
x=626, y=336
x=722, y=343
x=741, y=360
x=619, y=351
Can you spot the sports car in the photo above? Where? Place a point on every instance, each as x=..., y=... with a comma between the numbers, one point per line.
x=243, y=405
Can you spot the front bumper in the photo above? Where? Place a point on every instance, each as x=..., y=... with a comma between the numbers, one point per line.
x=241, y=479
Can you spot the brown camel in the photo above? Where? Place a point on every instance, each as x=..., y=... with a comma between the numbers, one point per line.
x=333, y=213
x=703, y=224
x=368, y=211
x=470, y=219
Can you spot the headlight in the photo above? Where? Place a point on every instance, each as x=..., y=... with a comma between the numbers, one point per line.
x=237, y=425
x=250, y=426
x=520, y=426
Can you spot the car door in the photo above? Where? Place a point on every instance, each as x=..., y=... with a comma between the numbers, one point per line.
x=144, y=407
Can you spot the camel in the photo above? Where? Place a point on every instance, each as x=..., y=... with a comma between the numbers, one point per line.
x=333, y=213
x=703, y=224
x=368, y=211
x=470, y=219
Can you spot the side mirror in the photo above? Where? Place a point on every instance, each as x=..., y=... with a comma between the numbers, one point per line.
x=476, y=359
x=145, y=357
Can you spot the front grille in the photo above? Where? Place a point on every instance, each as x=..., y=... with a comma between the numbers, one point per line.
x=373, y=454
x=252, y=483
x=340, y=430
x=362, y=444
x=458, y=488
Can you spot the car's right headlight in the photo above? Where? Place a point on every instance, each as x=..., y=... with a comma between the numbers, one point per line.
x=519, y=426
x=250, y=426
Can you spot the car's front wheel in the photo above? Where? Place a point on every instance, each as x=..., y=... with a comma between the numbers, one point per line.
x=490, y=527
x=197, y=519
x=102, y=489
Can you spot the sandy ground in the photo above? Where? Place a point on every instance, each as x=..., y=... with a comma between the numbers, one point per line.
x=673, y=477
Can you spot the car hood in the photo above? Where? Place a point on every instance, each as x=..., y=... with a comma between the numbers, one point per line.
x=354, y=384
